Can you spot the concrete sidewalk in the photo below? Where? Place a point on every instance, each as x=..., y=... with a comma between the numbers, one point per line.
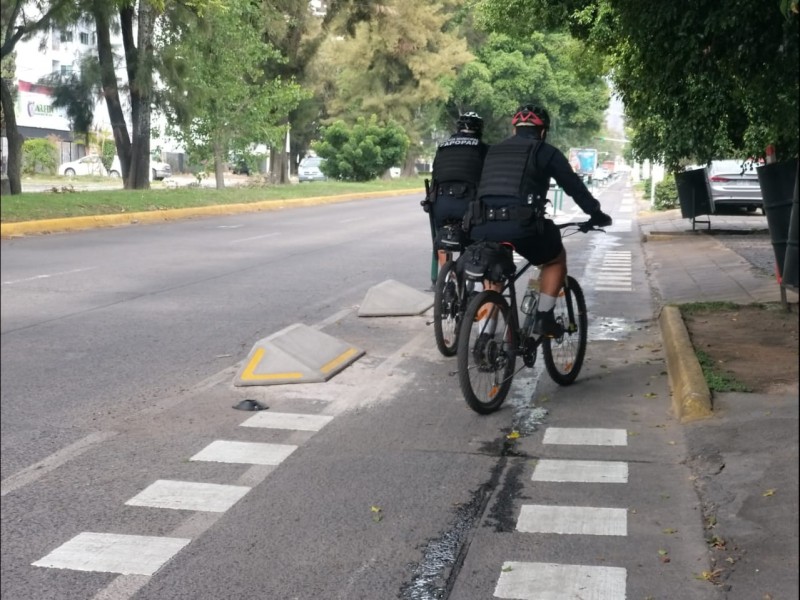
x=744, y=452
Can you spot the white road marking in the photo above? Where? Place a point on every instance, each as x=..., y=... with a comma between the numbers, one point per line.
x=188, y=495
x=256, y=237
x=297, y=421
x=585, y=436
x=547, y=581
x=580, y=471
x=47, y=276
x=113, y=553
x=251, y=453
x=585, y=520
x=55, y=460
x=352, y=220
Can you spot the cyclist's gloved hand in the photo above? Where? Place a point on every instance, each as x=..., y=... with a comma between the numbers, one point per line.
x=426, y=205
x=599, y=219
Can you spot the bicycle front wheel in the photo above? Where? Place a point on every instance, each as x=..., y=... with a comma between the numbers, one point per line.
x=486, y=352
x=563, y=356
x=447, y=309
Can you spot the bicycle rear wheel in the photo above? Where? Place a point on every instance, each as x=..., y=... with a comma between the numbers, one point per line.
x=486, y=352
x=448, y=305
x=563, y=356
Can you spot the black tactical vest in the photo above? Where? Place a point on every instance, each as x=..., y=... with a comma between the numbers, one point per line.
x=507, y=172
x=458, y=159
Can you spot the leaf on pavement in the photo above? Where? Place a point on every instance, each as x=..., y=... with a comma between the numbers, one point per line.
x=650, y=395
x=769, y=492
x=669, y=530
x=506, y=569
x=513, y=435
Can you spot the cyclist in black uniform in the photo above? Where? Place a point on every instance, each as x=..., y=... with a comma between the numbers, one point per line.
x=512, y=195
x=456, y=173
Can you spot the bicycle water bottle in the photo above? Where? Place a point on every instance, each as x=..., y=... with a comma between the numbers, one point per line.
x=529, y=303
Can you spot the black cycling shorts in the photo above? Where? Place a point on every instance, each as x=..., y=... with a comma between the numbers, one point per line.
x=538, y=248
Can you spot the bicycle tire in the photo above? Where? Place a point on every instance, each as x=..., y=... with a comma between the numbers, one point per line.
x=564, y=356
x=447, y=308
x=486, y=364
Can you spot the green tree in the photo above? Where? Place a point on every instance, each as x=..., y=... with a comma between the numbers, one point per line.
x=39, y=155
x=22, y=19
x=77, y=92
x=401, y=64
x=361, y=152
x=219, y=97
x=553, y=70
x=700, y=79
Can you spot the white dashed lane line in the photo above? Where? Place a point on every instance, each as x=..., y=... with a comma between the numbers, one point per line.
x=551, y=581
x=585, y=436
x=188, y=495
x=249, y=453
x=113, y=553
x=294, y=421
x=547, y=581
x=580, y=471
x=586, y=520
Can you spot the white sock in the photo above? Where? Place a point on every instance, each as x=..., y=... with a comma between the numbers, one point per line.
x=546, y=302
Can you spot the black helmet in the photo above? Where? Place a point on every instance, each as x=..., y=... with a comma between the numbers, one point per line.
x=470, y=121
x=530, y=115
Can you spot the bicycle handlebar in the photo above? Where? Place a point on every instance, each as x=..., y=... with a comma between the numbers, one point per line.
x=582, y=226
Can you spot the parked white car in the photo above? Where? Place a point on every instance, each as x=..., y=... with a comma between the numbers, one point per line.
x=88, y=165
x=158, y=170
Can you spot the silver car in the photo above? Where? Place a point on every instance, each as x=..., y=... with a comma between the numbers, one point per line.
x=734, y=183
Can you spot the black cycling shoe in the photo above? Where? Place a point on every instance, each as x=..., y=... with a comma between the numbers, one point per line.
x=546, y=325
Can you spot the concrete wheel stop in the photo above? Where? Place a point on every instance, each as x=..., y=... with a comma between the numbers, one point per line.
x=394, y=299
x=296, y=354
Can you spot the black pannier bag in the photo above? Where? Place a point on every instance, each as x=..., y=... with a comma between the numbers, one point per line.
x=451, y=237
x=487, y=260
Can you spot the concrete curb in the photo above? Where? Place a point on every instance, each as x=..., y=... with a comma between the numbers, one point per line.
x=90, y=222
x=691, y=398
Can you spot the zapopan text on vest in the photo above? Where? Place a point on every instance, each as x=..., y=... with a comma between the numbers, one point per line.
x=460, y=142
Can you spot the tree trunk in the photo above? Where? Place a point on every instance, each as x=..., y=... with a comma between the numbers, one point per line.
x=219, y=162
x=15, y=139
x=141, y=95
x=108, y=77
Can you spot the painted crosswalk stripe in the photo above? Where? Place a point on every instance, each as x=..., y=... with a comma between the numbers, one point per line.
x=615, y=273
x=113, y=553
x=547, y=581
x=580, y=436
x=188, y=495
x=580, y=471
x=294, y=421
x=583, y=520
x=251, y=453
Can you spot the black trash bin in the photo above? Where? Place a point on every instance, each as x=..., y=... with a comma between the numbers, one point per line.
x=790, y=275
x=777, y=189
x=694, y=195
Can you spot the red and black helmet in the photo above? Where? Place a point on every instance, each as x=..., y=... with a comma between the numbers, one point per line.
x=470, y=121
x=530, y=115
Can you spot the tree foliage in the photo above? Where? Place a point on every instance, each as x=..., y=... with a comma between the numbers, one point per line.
x=219, y=96
x=401, y=64
x=700, y=79
x=362, y=152
x=77, y=93
x=552, y=70
x=39, y=155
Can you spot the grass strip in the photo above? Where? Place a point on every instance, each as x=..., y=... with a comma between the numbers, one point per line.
x=34, y=206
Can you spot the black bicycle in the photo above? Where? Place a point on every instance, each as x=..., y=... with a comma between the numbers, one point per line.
x=450, y=293
x=491, y=337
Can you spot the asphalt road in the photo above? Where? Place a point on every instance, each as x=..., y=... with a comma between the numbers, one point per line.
x=119, y=349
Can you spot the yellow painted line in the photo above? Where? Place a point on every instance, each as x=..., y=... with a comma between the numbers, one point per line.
x=249, y=373
x=338, y=360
